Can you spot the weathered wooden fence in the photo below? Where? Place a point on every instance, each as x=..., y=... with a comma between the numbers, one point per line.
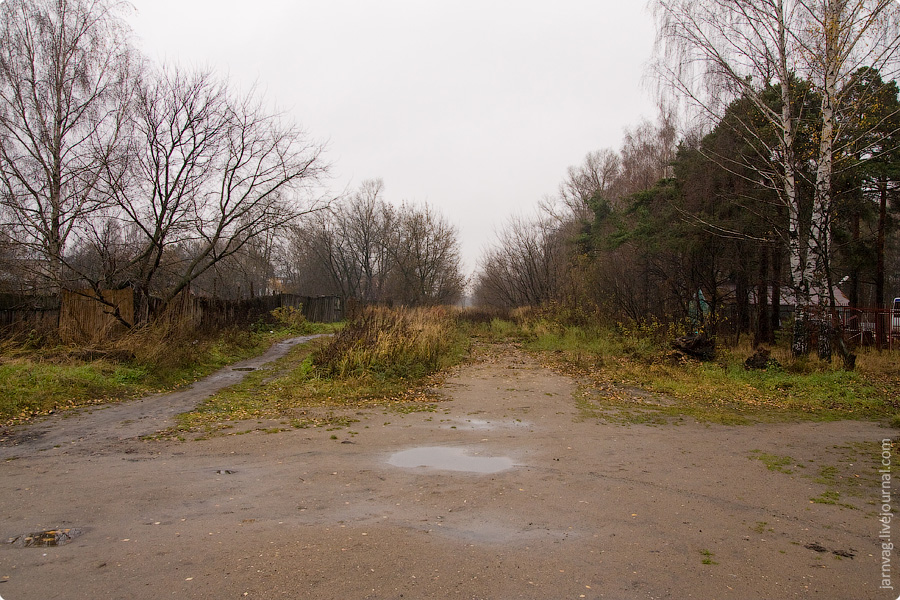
x=324, y=309
x=28, y=314
x=83, y=318
x=215, y=313
x=18, y=321
x=80, y=317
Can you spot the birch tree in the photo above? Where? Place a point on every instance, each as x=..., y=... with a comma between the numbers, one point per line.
x=65, y=77
x=715, y=51
x=841, y=37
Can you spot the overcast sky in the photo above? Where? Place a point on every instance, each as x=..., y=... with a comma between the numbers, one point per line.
x=476, y=107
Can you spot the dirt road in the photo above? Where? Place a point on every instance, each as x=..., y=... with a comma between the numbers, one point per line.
x=526, y=497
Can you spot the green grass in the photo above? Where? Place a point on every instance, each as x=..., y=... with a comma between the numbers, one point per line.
x=28, y=388
x=616, y=362
x=36, y=381
x=774, y=462
x=387, y=356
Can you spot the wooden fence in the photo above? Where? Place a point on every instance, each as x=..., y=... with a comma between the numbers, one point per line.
x=324, y=309
x=84, y=319
x=78, y=317
x=215, y=313
x=19, y=321
x=28, y=315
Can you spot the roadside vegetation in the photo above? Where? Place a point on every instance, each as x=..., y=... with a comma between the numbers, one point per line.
x=41, y=376
x=630, y=373
x=392, y=358
x=395, y=357
x=385, y=357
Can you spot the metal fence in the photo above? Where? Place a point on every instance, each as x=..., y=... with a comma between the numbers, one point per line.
x=869, y=326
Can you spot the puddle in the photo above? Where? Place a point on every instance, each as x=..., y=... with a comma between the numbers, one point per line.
x=243, y=369
x=45, y=539
x=483, y=425
x=450, y=459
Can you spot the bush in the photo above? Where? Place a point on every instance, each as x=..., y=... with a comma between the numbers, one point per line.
x=391, y=344
x=292, y=320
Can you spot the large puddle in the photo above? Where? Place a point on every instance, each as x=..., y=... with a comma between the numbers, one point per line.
x=450, y=459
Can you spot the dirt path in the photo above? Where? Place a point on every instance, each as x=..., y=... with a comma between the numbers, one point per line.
x=91, y=430
x=577, y=509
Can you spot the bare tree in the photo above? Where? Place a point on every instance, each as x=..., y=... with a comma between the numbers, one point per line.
x=307, y=261
x=647, y=154
x=424, y=248
x=713, y=52
x=65, y=70
x=364, y=248
x=364, y=224
x=209, y=173
x=524, y=267
x=841, y=37
x=594, y=179
x=347, y=245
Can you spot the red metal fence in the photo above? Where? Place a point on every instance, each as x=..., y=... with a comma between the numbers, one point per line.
x=869, y=326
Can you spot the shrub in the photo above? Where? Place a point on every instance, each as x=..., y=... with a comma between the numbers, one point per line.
x=386, y=343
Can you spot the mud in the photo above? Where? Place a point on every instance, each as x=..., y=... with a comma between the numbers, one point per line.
x=584, y=509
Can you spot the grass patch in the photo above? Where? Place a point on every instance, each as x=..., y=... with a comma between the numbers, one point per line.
x=827, y=497
x=39, y=380
x=774, y=462
x=383, y=357
x=849, y=475
x=762, y=527
x=616, y=362
x=386, y=345
x=29, y=388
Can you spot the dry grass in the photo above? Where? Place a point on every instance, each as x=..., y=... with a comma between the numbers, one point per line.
x=388, y=344
x=388, y=357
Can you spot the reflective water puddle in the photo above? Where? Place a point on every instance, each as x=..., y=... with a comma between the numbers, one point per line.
x=450, y=459
x=483, y=425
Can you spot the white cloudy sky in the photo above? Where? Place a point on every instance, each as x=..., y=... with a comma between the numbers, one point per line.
x=476, y=107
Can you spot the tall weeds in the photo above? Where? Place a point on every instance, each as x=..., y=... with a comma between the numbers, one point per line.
x=392, y=344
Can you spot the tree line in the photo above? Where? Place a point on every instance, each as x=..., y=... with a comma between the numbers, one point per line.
x=782, y=188
x=371, y=250
x=116, y=172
